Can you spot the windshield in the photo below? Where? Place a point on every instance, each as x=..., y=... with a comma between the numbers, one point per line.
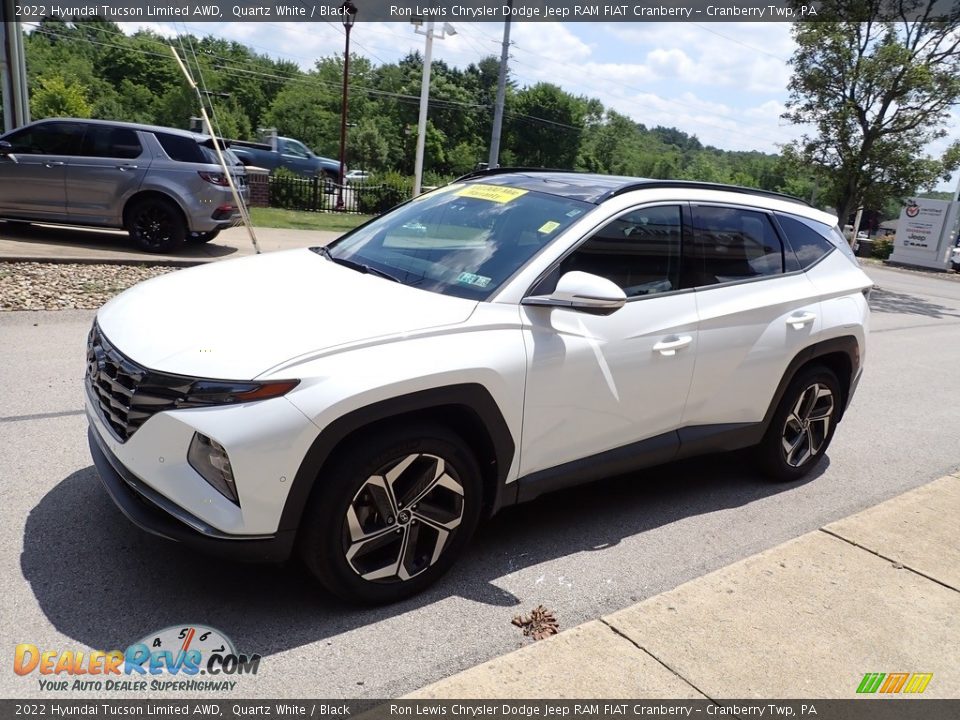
x=463, y=240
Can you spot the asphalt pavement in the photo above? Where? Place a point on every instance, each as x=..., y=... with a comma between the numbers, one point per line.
x=76, y=575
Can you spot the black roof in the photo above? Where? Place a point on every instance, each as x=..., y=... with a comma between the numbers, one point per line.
x=595, y=188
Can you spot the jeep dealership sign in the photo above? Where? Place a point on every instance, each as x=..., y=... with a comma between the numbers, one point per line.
x=921, y=239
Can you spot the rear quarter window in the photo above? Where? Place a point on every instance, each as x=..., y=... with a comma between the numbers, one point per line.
x=808, y=242
x=183, y=149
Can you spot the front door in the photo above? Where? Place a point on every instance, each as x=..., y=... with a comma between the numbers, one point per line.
x=596, y=383
x=33, y=177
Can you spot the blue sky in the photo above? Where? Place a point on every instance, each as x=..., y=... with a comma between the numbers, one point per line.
x=724, y=82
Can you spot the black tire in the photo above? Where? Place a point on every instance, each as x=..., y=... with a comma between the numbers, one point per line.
x=344, y=534
x=156, y=225
x=202, y=237
x=802, y=426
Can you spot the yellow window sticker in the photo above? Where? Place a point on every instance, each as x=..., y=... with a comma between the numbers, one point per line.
x=493, y=193
x=548, y=227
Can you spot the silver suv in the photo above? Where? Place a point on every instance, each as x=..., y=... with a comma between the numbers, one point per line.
x=164, y=186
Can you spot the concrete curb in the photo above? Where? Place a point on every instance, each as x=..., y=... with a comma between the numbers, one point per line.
x=878, y=591
x=82, y=246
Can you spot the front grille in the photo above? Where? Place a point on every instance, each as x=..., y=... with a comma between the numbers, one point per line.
x=127, y=394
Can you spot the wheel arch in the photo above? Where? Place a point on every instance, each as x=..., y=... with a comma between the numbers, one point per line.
x=468, y=409
x=840, y=354
x=154, y=194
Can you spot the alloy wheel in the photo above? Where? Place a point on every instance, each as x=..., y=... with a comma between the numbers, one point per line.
x=402, y=518
x=808, y=425
x=154, y=226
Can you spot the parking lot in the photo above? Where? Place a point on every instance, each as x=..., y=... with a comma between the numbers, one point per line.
x=77, y=575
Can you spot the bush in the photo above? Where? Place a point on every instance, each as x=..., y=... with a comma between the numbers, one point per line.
x=382, y=191
x=882, y=248
x=287, y=189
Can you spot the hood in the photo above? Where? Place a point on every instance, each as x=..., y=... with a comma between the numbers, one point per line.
x=236, y=319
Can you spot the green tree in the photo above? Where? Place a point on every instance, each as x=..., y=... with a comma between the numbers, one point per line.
x=875, y=93
x=55, y=97
x=367, y=147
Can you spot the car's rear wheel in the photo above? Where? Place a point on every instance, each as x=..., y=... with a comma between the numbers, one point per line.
x=391, y=514
x=156, y=225
x=202, y=237
x=802, y=426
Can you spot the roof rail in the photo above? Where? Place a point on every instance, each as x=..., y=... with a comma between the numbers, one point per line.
x=698, y=185
x=500, y=170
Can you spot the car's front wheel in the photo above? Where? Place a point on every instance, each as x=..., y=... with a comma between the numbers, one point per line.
x=391, y=514
x=802, y=426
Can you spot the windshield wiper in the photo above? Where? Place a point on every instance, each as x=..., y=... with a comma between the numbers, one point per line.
x=354, y=265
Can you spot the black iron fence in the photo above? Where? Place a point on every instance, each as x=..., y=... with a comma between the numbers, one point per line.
x=323, y=194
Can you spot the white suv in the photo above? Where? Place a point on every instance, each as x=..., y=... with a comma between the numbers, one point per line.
x=368, y=403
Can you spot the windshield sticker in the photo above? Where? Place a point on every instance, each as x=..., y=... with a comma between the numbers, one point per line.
x=475, y=280
x=493, y=193
x=573, y=213
x=548, y=227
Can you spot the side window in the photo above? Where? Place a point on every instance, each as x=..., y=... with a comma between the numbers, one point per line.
x=808, y=244
x=639, y=251
x=295, y=149
x=52, y=138
x=181, y=148
x=731, y=244
x=108, y=142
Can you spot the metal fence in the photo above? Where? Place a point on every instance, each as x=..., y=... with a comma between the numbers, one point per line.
x=321, y=194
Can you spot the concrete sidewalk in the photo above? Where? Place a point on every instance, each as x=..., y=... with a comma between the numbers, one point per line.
x=55, y=243
x=877, y=592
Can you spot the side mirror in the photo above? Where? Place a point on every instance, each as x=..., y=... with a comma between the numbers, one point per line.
x=582, y=291
x=5, y=148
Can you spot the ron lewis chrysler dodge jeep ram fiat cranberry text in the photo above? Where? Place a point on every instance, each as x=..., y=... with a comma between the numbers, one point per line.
x=367, y=404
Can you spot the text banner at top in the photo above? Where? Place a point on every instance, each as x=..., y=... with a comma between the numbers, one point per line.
x=489, y=11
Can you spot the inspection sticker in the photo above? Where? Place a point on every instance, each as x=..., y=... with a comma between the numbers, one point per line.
x=493, y=193
x=548, y=227
x=471, y=279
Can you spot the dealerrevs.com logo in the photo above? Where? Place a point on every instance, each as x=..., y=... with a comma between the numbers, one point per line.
x=180, y=658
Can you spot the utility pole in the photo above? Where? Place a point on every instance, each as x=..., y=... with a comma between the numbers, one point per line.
x=448, y=29
x=494, y=159
x=13, y=69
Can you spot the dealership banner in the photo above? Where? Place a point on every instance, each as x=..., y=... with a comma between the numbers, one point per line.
x=479, y=11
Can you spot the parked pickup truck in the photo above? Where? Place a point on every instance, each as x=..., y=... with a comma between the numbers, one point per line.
x=285, y=152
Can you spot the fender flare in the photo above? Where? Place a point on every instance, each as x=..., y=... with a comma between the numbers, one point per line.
x=846, y=344
x=471, y=396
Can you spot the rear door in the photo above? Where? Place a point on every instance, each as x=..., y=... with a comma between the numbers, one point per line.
x=33, y=180
x=757, y=310
x=108, y=170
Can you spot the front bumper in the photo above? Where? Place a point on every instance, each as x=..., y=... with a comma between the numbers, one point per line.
x=160, y=516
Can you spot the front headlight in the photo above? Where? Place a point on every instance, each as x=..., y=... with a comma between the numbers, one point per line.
x=209, y=458
x=225, y=392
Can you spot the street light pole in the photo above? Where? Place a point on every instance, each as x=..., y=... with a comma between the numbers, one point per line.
x=448, y=29
x=494, y=159
x=348, y=15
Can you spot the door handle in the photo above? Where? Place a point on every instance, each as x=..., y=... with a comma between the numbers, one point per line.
x=668, y=348
x=123, y=168
x=53, y=163
x=798, y=320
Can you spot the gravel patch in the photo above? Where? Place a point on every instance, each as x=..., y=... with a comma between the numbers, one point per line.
x=63, y=286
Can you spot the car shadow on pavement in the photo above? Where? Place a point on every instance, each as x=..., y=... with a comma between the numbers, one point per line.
x=113, y=241
x=105, y=583
x=887, y=301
